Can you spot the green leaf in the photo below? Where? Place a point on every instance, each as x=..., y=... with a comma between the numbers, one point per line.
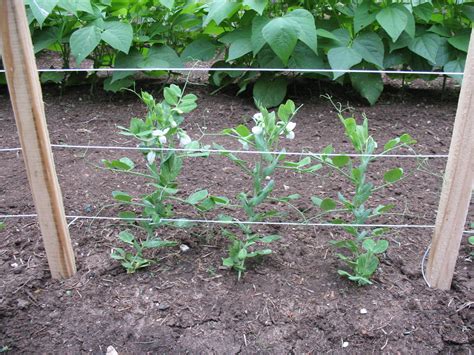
x=242, y=254
x=424, y=11
x=161, y=56
x=343, y=58
x=121, y=164
x=116, y=85
x=281, y=36
x=316, y=201
x=328, y=204
x=228, y=262
x=257, y=5
x=158, y=243
x=196, y=197
x=74, y=6
x=240, y=43
x=269, y=92
x=426, y=46
x=340, y=160
x=172, y=94
x=200, y=49
x=454, y=66
x=41, y=9
x=303, y=22
x=134, y=59
x=370, y=47
x=393, y=175
x=380, y=247
x=468, y=11
x=126, y=237
x=257, y=40
x=169, y=4
x=118, y=35
x=53, y=77
x=121, y=196
x=84, y=41
x=45, y=38
x=460, y=42
x=393, y=20
x=269, y=239
x=369, y=86
x=219, y=10
x=362, y=17
x=305, y=58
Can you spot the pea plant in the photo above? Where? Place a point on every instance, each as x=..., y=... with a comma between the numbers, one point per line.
x=157, y=135
x=264, y=137
x=363, y=245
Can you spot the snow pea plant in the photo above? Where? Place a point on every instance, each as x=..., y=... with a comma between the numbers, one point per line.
x=157, y=135
x=263, y=137
x=362, y=248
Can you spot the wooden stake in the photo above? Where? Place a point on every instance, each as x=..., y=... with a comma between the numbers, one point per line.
x=457, y=186
x=27, y=102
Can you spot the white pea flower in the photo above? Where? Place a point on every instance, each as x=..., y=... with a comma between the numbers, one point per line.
x=258, y=117
x=290, y=135
x=290, y=126
x=161, y=134
x=173, y=123
x=184, y=139
x=257, y=130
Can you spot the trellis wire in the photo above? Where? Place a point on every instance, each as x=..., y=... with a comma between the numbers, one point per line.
x=236, y=151
x=284, y=70
x=263, y=223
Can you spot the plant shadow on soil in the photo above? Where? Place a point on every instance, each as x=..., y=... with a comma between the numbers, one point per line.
x=291, y=302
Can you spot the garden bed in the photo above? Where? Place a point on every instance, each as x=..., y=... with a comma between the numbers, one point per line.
x=292, y=301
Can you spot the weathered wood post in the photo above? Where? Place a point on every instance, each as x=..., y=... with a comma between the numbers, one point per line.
x=27, y=101
x=457, y=186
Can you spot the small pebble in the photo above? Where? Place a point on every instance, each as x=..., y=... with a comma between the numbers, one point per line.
x=14, y=265
x=163, y=306
x=184, y=248
x=345, y=344
x=111, y=351
x=363, y=311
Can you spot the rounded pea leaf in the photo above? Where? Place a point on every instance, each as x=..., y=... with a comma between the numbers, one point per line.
x=197, y=197
x=328, y=204
x=393, y=175
x=340, y=160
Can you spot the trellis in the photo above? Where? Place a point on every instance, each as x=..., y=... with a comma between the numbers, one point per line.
x=28, y=107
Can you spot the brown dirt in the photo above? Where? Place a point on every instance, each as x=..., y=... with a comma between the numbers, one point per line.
x=291, y=302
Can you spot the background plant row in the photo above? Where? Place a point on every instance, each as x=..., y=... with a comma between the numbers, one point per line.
x=416, y=35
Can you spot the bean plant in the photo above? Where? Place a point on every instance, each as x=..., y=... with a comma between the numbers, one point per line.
x=157, y=135
x=363, y=245
x=264, y=137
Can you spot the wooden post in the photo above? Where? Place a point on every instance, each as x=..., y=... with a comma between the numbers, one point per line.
x=457, y=186
x=27, y=102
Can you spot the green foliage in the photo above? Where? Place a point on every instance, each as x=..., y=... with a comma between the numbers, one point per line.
x=134, y=260
x=156, y=134
x=2, y=225
x=264, y=137
x=362, y=247
x=343, y=35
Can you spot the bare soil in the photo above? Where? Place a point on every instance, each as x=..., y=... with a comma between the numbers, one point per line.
x=292, y=301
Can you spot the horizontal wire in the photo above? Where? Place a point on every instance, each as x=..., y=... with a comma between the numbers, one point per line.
x=236, y=151
x=187, y=220
x=285, y=70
